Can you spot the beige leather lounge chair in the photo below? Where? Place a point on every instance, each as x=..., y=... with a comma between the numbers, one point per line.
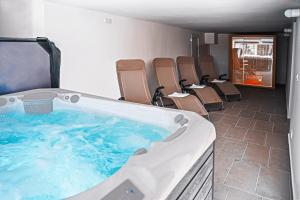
x=187, y=73
x=166, y=75
x=133, y=82
x=208, y=72
x=134, y=87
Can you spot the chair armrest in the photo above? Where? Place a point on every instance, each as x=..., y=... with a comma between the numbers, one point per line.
x=221, y=77
x=204, y=79
x=157, y=94
x=122, y=99
x=184, y=87
x=181, y=82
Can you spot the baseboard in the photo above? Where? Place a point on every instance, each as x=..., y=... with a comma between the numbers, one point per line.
x=292, y=170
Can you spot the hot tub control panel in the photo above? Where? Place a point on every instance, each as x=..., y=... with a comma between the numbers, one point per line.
x=125, y=191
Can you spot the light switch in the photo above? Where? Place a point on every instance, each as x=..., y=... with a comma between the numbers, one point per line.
x=108, y=20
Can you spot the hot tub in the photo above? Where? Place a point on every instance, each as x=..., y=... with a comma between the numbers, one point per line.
x=61, y=144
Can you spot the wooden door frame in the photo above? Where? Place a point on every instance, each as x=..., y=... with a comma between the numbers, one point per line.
x=274, y=56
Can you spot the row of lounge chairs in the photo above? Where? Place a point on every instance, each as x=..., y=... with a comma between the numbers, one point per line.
x=189, y=93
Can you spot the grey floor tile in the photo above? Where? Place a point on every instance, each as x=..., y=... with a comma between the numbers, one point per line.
x=240, y=105
x=219, y=142
x=253, y=107
x=247, y=114
x=243, y=176
x=228, y=105
x=279, y=159
x=278, y=118
x=236, y=133
x=277, y=141
x=257, y=154
x=262, y=116
x=229, y=119
x=274, y=184
x=263, y=125
x=221, y=129
x=235, y=194
x=232, y=111
x=222, y=166
x=220, y=191
x=281, y=110
x=215, y=117
x=268, y=108
x=256, y=137
x=232, y=149
x=281, y=127
x=245, y=122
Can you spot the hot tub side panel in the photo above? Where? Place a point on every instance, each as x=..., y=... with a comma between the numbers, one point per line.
x=197, y=184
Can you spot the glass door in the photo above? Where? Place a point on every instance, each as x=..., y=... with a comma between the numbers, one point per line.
x=252, y=60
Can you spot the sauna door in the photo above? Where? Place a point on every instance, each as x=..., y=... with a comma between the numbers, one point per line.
x=253, y=60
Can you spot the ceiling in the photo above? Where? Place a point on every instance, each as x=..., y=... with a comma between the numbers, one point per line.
x=209, y=15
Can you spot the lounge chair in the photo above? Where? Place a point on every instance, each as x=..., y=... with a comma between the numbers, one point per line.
x=209, y=74
x=134, y=88
x=190, y=82
x=133, y=82
x=166, y=75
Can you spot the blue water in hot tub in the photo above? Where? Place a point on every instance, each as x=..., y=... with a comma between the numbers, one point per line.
x=61, y=154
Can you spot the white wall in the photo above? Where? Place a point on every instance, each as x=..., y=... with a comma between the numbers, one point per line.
x=90, y=47
x=18, y=18
x=220, y=52
x=290, y=71
x=295, y=117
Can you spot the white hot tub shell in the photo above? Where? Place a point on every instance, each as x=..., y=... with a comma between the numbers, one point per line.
x=180, y=167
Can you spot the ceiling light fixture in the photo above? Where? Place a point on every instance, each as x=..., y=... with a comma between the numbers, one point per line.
x=287, y=30
x=292, y=13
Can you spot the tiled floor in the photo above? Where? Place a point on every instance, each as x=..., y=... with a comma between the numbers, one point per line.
x=252, y=160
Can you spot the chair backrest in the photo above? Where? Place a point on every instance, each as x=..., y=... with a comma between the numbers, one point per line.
x=133, y=81
x=187, y=70
x=236, y=60
x=207, y=67
x=165, y=70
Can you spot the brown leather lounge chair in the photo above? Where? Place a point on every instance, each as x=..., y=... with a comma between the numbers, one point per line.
x=134, y=87
x=188, y=77
x=166, y=75
x=133, y=82
x=209, y=74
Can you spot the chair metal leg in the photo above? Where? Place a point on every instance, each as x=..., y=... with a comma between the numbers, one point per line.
x=208, y=117
x=226, y=98
x=161, y=101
